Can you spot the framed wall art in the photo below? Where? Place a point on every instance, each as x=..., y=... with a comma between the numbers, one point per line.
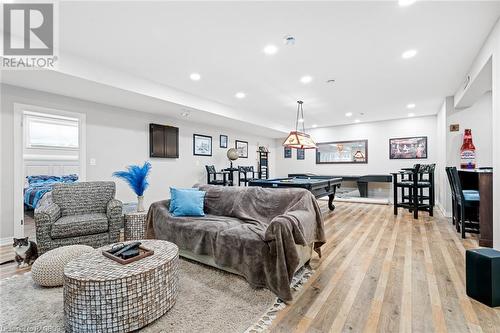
x=408, y=148
x=301, y=154
x=242, y=148
x=202, y=145
x=354, y=151
x=287, y=152
x=222, y=141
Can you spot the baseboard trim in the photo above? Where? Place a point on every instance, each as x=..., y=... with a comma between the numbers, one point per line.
x=6, y=241
x=442, y=210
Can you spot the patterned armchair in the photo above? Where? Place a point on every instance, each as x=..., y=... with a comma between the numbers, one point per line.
x=79, y=213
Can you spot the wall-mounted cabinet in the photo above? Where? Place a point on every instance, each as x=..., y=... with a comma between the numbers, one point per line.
x=163, y=141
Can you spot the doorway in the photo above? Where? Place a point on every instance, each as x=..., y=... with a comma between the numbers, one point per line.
x=49, y=147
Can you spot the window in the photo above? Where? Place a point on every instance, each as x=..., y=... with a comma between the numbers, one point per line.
x=50, y=131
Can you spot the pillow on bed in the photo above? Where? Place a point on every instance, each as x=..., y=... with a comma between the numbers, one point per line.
x=186, y=202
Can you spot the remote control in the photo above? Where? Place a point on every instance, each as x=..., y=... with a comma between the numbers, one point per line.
x=116, y=248
x=127, y=247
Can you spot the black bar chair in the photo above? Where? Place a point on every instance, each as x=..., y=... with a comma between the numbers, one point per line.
x=467, y=206
x=454, y=215
x=426, y=202
x=212, y=176
x=406, y=179
x=243, y=174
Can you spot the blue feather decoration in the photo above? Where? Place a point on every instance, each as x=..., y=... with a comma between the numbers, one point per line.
x=136, y=177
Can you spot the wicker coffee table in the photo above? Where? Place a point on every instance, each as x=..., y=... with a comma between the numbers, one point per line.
x=101, y=295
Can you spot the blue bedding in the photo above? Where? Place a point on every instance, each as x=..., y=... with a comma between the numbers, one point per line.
x=41, y=184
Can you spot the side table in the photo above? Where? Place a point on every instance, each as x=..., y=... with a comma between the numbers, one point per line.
x=134, y=225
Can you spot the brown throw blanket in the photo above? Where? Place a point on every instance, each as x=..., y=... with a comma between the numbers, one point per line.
x=251, y=230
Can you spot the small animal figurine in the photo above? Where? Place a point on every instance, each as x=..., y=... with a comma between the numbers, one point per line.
x=26, y=251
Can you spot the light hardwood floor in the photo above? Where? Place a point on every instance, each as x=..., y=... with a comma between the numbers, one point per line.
x=386, y=273
x=381, y=273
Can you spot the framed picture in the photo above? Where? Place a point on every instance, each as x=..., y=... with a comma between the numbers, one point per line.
x=223, y=141
x=287, y=152
x=354, y=152
x=242, y=148
x=301, y=154
x=408, y=148
x=202, y=145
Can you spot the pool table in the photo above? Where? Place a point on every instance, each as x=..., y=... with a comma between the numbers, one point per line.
x=319, y=186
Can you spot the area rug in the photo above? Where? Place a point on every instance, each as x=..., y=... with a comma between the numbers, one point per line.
x=210, y=300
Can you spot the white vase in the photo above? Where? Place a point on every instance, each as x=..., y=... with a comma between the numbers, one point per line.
x=140, y=203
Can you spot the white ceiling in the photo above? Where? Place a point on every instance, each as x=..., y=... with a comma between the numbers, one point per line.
x=359, y=44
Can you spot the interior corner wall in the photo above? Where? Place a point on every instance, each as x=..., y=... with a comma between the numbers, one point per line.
x=478, y=118
x=443, y=193
x=117, y=137
x=496, y=137
x=491, y=50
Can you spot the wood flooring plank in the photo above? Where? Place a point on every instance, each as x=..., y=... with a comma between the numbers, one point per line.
x=463, y=300
x=405, y=322
x=437, y=309
x=344, y=310
x=316, y=306
x=378, y=299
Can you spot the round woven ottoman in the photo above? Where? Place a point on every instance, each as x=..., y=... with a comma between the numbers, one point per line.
x=48, y=269
x=101, y=295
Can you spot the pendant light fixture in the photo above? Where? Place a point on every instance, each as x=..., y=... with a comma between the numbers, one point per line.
x=296, y=139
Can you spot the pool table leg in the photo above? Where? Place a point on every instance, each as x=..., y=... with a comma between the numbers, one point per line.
x=331, y=206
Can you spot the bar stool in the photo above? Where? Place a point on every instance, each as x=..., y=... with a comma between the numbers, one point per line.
x=416, y=180
x=454, y=215
x=409, y=179
x=467, y=202
x=426, y=181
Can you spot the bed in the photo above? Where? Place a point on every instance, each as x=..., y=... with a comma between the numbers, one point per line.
x=37, y=186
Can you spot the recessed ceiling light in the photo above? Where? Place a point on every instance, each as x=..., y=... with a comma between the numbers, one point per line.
x=411, y=114
x=348, y=114
x=306, y=79
x=314, y=126
x=195, y=76
x=357, y=121
x=409, y=54
x=289, y=40
x=404, y=3
x=270, y=49
x=411, y=106
x=240, y=94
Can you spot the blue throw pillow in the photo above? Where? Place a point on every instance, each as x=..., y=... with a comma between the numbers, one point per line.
x=173, y=204
x=186, y=202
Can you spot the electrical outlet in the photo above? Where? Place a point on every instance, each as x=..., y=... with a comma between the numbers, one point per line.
x=92, y=161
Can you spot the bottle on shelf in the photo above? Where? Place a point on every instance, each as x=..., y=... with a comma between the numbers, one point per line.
x=468, y=152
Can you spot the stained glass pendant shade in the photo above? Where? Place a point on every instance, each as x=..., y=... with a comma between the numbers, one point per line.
x=297, y=139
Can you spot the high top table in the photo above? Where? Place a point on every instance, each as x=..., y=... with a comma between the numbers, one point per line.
x=101, y=295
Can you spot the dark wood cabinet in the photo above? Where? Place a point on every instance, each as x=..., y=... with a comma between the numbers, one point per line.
x=482, y=181
x=163, y=141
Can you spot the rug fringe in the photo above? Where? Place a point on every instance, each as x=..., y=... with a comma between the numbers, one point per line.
x=265, y=321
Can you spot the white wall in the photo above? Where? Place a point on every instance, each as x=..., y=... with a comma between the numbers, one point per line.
x=478, y=118
x=119, y=137
x=490, y=50
x=377, y=134
x=443, y=192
